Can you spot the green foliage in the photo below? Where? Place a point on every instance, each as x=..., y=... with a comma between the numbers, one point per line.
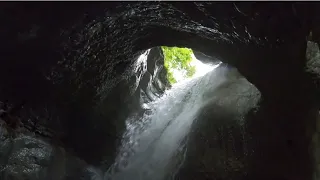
x=178, y=59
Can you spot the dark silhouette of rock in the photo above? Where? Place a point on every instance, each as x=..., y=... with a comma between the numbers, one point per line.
x=77, y=61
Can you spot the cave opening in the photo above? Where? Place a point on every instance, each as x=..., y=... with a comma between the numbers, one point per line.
x=80, y=80
x=155, y=142
x=181, y=64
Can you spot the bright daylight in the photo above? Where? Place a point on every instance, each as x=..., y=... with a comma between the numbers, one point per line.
x=181, y=64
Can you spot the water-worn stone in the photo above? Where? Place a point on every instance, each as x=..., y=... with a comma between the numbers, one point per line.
x=76, y=65
x=31, y=157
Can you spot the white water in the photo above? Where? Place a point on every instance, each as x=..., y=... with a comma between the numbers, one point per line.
x=154, y=144
x=150, y=142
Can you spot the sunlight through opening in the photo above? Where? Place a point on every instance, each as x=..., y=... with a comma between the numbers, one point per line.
x=201, y=69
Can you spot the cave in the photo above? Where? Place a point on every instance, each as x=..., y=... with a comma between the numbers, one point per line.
x=72, y=73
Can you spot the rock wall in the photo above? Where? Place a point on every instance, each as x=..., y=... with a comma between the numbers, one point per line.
x=73, y=64
x=29, y=156
x=34, y=150
x=218, y=146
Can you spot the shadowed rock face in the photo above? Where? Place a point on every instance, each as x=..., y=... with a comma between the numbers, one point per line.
x=77, y=64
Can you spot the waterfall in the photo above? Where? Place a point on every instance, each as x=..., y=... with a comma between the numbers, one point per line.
x=150, y=142
x=154, y=144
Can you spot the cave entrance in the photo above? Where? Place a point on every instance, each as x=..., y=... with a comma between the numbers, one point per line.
x=159, y=142
x=181, y=64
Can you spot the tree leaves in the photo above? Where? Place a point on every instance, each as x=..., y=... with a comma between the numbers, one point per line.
x=178, y=59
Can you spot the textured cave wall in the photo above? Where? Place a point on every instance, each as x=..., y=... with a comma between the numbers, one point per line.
x=312, y=67
x=63, y=77
x=72, y=58
x=217, y=145
x=154, y=81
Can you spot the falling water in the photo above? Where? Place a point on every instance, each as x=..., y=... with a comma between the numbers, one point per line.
x=150, y=142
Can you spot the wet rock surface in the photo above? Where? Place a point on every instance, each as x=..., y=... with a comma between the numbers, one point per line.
x=74, y=65
x=154, y=82
x=217, y=145
x=25, y=155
